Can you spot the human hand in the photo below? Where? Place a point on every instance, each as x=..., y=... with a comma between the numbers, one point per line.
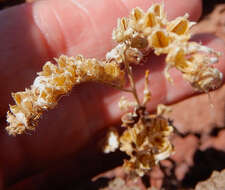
x=45, y=29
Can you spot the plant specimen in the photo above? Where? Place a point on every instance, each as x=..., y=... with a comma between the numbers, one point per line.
x=146, y=138
x=55, y=81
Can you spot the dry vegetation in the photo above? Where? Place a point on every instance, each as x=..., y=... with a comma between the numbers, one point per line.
x=145, y=137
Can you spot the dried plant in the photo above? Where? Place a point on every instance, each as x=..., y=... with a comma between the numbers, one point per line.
x=136, y=36
x=152, y=31
x=146, y=136
x=55, y=81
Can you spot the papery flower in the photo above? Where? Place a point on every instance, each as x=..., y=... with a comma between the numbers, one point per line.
x=53, y=82
x=146, y=141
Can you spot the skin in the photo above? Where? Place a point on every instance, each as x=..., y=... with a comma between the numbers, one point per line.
x=33, y=34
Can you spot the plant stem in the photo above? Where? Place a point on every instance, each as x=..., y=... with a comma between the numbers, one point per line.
x=123, y=89
x=131, y=79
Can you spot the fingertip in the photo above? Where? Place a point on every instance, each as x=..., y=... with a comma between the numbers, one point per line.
x=45, y=20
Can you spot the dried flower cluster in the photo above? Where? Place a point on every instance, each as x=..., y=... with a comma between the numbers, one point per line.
x=53, y=82
x=145, y=139
x=143, y=32
x=137, y=36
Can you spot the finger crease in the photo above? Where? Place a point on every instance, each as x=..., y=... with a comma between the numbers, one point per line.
x=63, y=40
x=93, y=24
x=122, y=2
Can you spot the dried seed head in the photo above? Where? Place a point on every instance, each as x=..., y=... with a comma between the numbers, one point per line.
x=150, y=20
x=205, y=80
x=146, y=142
x=151, y=30
x=145, y=139
x=120, y=34
x=136, y=19
x=121, y=52
x=159, y=41
x=180, y=26
x=158, y=10
x=54, y=81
